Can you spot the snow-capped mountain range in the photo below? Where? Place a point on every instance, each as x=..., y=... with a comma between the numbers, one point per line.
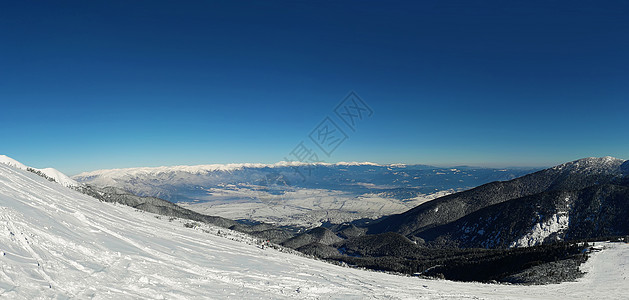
x=58, y=243
x=298, y=173
x=199, y=169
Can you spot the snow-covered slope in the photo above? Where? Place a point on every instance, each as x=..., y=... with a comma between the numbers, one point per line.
x=59, y=177
x=12, y=162
x=48, y=172
x=58, y=243
x=573, y=176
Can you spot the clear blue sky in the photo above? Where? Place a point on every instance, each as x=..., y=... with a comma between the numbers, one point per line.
x=87, y=85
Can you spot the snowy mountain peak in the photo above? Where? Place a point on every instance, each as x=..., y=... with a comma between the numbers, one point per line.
x=12, y=162
x=591, y=164
x=47, y=172
x=59, y=177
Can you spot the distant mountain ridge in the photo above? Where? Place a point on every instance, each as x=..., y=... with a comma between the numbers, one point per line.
x=184, y=183
x=221, y=167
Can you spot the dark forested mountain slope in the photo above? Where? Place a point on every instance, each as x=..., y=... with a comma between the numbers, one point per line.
x=594, y=212
x=570, y=176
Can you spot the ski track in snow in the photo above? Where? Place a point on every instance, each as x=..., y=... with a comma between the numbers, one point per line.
x=58, y=243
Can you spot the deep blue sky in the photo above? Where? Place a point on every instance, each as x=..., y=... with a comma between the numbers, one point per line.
x=103, y=84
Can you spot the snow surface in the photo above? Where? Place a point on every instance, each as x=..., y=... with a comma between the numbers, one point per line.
x=58, y=243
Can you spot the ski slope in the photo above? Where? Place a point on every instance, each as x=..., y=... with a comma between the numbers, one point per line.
x=58, y=243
